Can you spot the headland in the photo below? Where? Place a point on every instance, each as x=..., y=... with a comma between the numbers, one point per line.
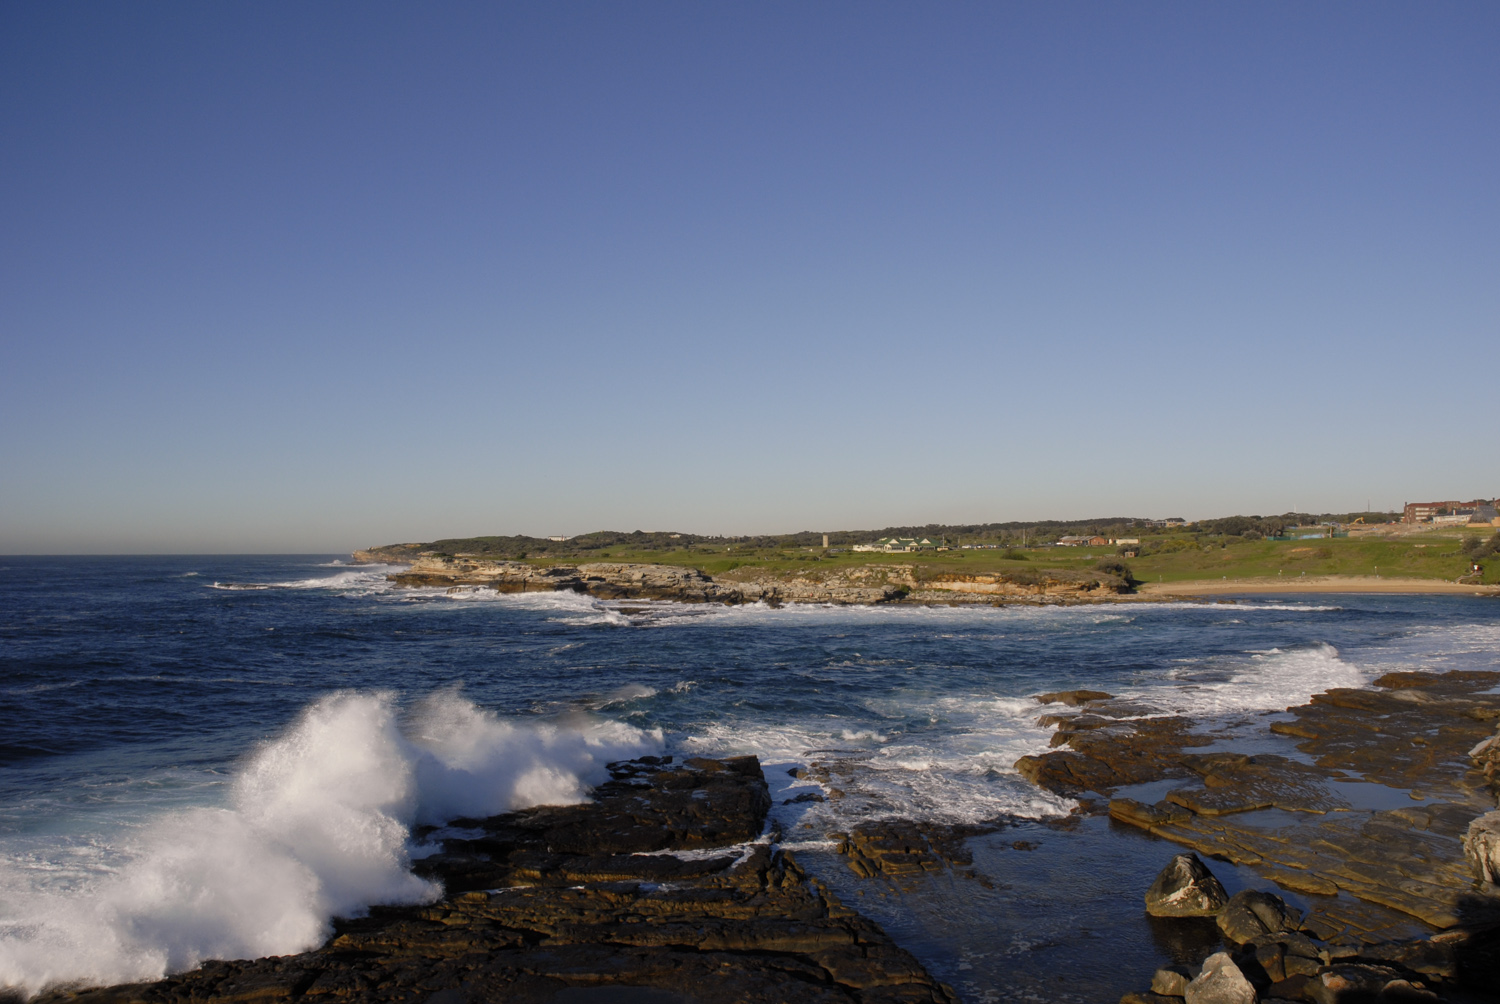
x=1080, y=561
x=1034, y=576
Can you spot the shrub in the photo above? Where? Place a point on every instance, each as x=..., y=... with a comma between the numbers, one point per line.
x=1011, y=554
x=1477, y=548
x=1114, y=566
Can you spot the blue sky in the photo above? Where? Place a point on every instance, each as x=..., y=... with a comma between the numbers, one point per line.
x=310, y=277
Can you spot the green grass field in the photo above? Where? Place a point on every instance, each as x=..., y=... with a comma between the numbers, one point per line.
x=1428, y=556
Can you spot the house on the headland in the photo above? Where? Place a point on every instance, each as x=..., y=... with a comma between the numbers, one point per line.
x=1098, y=541
x=893, y=544
x=1072, y=541
x=1126, y=540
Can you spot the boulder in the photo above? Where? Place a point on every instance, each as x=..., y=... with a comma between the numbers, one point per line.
x=1129, y=810
x=1171, y=981
x=1270, y=956
x=1185, y=888
x=1220, y=982
x=1486, y=755
x=1073, y=698
x=1353, y=982
x=1251, y=913
x=1482, y=846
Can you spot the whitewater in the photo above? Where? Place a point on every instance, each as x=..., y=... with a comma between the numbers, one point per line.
x=215, y=757
x=316, y=824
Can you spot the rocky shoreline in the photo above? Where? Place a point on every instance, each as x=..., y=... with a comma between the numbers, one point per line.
x=1381, y=815
x=663, y=890
x=875, y=583
x=866, y=584
x=1371, y=812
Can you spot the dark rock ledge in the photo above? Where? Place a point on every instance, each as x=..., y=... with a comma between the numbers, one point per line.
x=1381, y=817
x=578, y=905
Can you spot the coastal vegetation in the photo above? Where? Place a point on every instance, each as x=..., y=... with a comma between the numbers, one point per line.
x=1240, y=548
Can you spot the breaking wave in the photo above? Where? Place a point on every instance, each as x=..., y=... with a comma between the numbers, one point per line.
x=317, y=825
x=1264, y=681
x=958, y=769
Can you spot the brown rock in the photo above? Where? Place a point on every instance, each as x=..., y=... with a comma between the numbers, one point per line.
x=1482, y=845
x=900, y=848
x=1105, y=758
x=1128, y=810
x=1073, y=698
x=1171, y=981
x=1348, y=982
x=1251, y=913
x=1185, y=888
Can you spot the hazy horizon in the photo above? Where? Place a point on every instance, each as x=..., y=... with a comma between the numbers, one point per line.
x=307, y=279
x=1102, y=520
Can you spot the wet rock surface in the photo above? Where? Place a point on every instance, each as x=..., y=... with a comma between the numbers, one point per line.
x=1300, y=822
x=1382, y=818
x=1109, y=746
x=661, y=891
x=1272, y=955
x=898, y=848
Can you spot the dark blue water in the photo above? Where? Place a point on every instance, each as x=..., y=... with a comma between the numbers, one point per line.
x=142, y=693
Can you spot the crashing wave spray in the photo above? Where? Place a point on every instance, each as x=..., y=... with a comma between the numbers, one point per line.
x=318, y=826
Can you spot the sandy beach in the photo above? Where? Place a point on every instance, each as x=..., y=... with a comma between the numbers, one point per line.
x=1315, y=584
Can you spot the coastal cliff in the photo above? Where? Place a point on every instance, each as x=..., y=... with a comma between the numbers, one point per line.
x=864, y=584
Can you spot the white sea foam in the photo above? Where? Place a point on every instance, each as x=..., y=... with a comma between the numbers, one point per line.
x=959, y=771
x=316, y=826
x=1438, y=648
x=1260, y=681
x=365, y=580
x=475, y=763
x=563, y=606
x=1292, y=607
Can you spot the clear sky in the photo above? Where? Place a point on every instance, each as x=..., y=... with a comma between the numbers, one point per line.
x=300, y=277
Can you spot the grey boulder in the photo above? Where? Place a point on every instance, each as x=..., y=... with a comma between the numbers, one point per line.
x=1220, y=982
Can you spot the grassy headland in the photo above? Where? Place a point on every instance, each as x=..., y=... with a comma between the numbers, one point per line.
x=1229, y=550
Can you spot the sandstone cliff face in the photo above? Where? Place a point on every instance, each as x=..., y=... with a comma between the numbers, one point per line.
x=865, y=584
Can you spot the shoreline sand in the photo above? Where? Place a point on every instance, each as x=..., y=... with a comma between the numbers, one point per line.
x=1315, y=584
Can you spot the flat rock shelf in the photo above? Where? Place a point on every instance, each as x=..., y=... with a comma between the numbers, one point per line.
x=1364, y=815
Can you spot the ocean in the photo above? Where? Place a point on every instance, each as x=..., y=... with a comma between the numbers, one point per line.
x=210, y=757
